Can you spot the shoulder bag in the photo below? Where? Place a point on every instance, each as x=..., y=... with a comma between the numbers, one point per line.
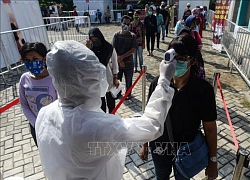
x=192, y=157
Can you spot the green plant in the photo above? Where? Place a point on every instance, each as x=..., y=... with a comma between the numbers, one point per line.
x=66, y=4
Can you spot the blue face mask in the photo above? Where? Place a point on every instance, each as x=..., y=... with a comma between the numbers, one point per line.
x=181, y=68
x=35, y=67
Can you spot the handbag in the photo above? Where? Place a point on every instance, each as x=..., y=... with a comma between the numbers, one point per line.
x=191, y=158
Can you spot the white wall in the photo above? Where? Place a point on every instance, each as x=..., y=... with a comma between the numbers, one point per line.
x=94, y=5
x=26, y=13
x=194, y=3
x=9, y=53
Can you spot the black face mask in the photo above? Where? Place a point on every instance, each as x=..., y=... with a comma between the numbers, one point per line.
x=96, y=43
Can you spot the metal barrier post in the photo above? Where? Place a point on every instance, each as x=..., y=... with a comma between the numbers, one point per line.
x=215, y=83
x=144, y=88
x=5, y=58
x=61, y=29
x=242, y=162
x=232, y=54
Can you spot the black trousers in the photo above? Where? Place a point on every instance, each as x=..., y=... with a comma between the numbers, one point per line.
x=77, y=27
x=158, y=40
x=110, y=102
x=150, y=37
x=107, y=19
x=33, y=133
x=163, y=167
x=167, y=26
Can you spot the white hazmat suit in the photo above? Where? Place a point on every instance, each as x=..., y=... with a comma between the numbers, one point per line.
x=76, y=139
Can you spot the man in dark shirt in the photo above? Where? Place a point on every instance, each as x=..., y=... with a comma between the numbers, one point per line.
x=193, y=103
x=125, y=45
x=165, y=16
x=150, y=23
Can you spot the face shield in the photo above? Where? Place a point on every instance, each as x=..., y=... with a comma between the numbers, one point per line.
x=77, y=74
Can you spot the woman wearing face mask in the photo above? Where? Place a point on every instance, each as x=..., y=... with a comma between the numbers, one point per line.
x=35, y=88
x=150, y=23
x=191, y=23
x=108, y=57
x=193, y=103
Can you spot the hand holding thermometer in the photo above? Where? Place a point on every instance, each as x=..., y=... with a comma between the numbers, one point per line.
x=169, y=55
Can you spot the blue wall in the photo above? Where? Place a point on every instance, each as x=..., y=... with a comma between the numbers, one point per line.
x=242, y=12
x=249, y=25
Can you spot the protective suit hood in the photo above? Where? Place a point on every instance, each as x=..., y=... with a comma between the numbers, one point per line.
x=77, y=74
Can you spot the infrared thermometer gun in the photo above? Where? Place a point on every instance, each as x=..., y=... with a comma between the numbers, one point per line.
x=169, y=55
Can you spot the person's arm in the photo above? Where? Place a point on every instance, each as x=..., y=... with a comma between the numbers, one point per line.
x=211, y=137
x=114, y=41
x=167, y=18
x=151, y=125
x=177, y=28
x=144, y=149
x=198, y=40
x=155, y=24
x=162, y=20
x=115, y=68
x=209, y=116
x=143, y=36
x=210, y=129
x=89, y=44
x=145, y=21
x=25, y=105
x=128, y=53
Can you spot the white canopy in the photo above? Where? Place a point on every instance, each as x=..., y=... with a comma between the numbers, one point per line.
x=93, y=5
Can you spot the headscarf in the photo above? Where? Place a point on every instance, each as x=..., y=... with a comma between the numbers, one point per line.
x=105, y=50
x=189, y=20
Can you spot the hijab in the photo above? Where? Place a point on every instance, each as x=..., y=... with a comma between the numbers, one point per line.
x=105, y=50
x=189, y=20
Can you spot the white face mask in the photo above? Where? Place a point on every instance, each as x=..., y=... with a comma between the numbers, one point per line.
x=125, y=27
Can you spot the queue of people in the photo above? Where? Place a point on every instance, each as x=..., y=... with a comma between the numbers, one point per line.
x=66, y=93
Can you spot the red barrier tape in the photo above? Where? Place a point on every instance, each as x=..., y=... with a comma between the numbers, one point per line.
x=228, y=116
x=9, y=105
x=127, y=93
x=16, y=101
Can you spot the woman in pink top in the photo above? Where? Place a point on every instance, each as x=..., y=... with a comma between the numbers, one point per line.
x=35, y=87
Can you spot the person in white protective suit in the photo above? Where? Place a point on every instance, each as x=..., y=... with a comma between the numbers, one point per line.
x=76, y=139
